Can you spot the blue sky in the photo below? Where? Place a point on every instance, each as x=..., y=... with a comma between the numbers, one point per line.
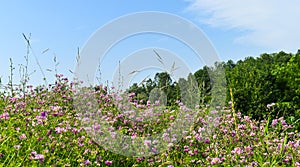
x=236, y=29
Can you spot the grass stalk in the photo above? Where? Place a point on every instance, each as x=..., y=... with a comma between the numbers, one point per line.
x=234, y=112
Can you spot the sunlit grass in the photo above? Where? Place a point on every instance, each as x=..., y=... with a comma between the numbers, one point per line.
x=43, y=129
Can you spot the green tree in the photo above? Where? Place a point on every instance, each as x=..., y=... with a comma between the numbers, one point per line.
x=162, y=79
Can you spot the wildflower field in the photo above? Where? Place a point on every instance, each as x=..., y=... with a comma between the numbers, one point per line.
x=179, y=83
x=41, y=128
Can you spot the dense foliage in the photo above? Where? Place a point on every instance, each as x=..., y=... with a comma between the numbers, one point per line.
x=255, y=82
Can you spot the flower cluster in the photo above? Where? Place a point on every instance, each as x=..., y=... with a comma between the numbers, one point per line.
x=49, y=120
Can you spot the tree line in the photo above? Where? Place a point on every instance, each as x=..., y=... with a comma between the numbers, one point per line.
x=255, y=83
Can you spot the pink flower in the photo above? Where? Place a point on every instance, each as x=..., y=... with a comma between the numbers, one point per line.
x=248, y=148
x=107, y=162
x=60, y=130
x=198, y=136
x=191, y=152
x=12, y=99
x=43, y=114
x=87, y=162
x=23, y=136
x=39, y=157
x=172, y=117
x=207, y=141
x=237, y=151
x=147, y=142
x=195, y=151
x=274, y=122
x=215, y=161
x=201, y=129
x=5, y=116
x=283, y=122
x=55, y=108
x=214, y=137
x=139, y=159
x=131, y=95
x=80, y=144
x=213, y=112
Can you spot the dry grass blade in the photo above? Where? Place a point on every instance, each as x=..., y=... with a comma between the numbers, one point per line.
x=159, y=58
x=26, y=39
x=34, y=55
x=173, y=68
x=78, y=55
x=144, y=80
x=157, y=54
x=43, y=52
x=135, y=71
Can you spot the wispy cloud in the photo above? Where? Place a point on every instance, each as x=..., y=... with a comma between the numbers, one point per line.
x=267, y=23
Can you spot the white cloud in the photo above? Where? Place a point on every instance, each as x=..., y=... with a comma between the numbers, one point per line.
x=268, y=23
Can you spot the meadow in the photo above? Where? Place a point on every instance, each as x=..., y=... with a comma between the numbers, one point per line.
x=39, y=126
x=50, y=125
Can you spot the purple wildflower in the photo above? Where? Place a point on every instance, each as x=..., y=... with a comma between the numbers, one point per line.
x=237, y=151
x=60, y=130
x=23, y=136
x=107, y=162
x=147, y=142
x=274, y=122
x=283, y=122
x=215, y=161
x=43, y=114
x=207, y=141
x=39, y=157
x=5, y=116
x=87, y=162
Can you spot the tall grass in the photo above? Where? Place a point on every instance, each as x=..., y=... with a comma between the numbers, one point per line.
x=45, y=130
